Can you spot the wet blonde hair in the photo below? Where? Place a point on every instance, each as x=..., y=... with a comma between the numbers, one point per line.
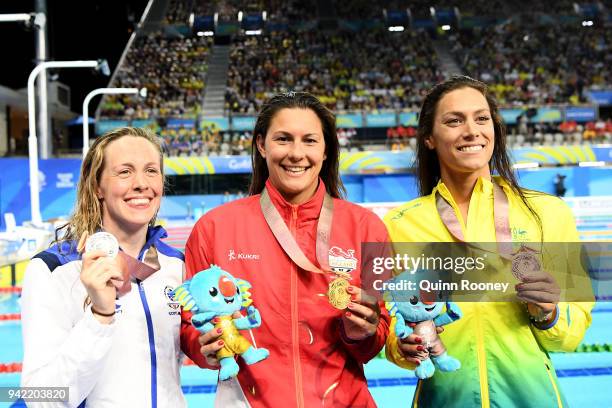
x=87, y=215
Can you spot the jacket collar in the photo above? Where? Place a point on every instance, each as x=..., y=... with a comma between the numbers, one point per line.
x=67, y=250
x=483, y=187
x=307, y=210
x=154, y=235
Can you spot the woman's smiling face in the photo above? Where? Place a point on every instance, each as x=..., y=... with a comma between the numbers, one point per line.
x=131, y=184
x=463, y=134
x=294, y=150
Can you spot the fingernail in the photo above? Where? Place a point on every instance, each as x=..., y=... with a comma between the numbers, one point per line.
x=216, y=320
x=418, y=340
x=348, y=314
x=353, y=297
x=350, y=289
x=418, y=362
x=220, y=342
x=420, y=348
x=351, y=305
x=219, y=331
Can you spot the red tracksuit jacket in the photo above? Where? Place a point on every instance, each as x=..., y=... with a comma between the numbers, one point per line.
x=310, y=363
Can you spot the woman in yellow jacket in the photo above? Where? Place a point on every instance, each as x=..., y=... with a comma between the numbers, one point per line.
x=503, y=347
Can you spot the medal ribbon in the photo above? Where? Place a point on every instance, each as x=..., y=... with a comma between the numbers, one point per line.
x=287, y=241
x=503, y=237
x=501, y=220
x=141, y=270
x=138, y=269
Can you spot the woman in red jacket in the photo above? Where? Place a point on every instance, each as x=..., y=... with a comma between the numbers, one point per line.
x=292, y=239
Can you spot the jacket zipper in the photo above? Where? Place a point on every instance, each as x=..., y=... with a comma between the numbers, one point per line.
x=297, y=369
x=554, y=385
x=417, y=393
x=151, y=335
x=481, y=353
x=482, y=363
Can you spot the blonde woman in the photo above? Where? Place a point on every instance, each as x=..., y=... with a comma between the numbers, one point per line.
x=109, y=347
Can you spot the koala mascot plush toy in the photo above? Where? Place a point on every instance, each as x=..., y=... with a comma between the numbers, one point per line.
x=425, y=314
x=214, y=296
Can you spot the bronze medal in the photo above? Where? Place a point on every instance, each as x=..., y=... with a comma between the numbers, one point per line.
x=337, y=294
x=524, y=262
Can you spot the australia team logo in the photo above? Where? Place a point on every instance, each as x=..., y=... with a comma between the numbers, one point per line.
x=519, y=235
x=341, y=260
x=175, y=307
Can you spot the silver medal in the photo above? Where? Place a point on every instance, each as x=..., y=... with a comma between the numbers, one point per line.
x=103, y=241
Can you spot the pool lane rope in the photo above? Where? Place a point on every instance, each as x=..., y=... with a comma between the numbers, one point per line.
x=10, y=368
x=7, y=368
x=583, y=348
x=10, y=289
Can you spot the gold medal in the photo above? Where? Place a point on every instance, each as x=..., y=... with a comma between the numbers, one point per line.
x=337, y=294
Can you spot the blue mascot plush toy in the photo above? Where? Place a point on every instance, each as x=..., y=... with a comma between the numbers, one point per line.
x=214, y=296
x=426, y=314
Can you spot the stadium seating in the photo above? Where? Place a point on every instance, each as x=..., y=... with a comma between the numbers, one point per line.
x=385, y=71
x=529, y=59
x=172, y=70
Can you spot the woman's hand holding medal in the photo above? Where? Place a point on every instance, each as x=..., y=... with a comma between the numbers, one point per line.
x=541, y=293
x=101, y=274
x=537, y=288
x=360, y=320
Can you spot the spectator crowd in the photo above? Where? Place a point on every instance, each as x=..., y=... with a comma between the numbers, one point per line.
x=366, y=70
x=173, y=71
x=525, y=61
x=537, y=64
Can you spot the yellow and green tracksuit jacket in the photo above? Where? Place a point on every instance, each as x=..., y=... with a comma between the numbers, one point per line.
x=504, y=358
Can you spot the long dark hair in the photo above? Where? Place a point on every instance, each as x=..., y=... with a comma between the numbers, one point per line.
x=427, y=163
x=330, y=173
